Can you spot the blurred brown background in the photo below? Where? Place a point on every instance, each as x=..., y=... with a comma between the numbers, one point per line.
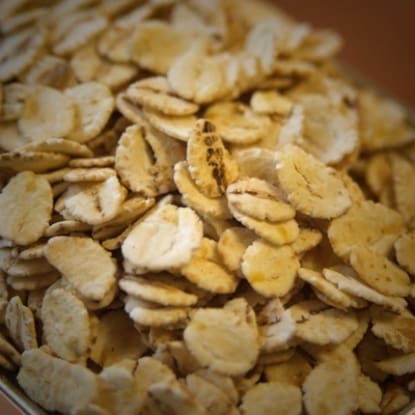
x=379, y=37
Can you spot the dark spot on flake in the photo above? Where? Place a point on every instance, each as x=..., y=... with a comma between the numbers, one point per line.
x=212, y=155
x=219, y=176
x=209, y=140
x=208, y=127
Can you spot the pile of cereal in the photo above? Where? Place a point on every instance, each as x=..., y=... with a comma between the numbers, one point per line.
x=200, y=214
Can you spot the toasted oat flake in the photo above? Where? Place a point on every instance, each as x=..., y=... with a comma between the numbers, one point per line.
x=368, y=224
x=261, y=42
x=10, y=137
x=232, y=245
x=405, y=247
x=94, y=202
x=293, y=371
x=51, y=71
x=59, y=145
x=55, y=384
x=25, y=223
x=330, y=129
x=120, y=388
x=35, y=251
x=196, y=76
x=55, y=177
x=332, y=388
x=134, y=163
x=104, y=161
x=327, y=326
x=14, y=95
x=396, y=330
x=329, y=290
x=378, y=173
x=88, y=175
x=115, y=42
x=354, y=287
x=89, y=66
x=379, y=272
x=87, y=266
x=35, y=282
x=36, y=161
x=66, y=227
x=94, y=103
x=164, y=239
x=111, y=345
x=128, y=109
x=155, y=45
x=20, y=324
x=403, y=176
x=220, y=280
x=6, y=364
x=311, y=187
x=174, y=126
x=270, y=270
x=191, y=195
x=210, y=165
x=306, y=240
x=157, y=289
x=79, y=33
x=130, y=210
x=398, y=365
x=370, y=395
x=223, y=382
x=356, y=193
x=19, y=50
x=259, y=200
x=47, y=113
x=225, y=340
x=9, y=354
x=148, y=314
x=272, y=398
x=256, y=162
x=394, y=399
x=205, y=262
x=151, y=371
x=277, y=233
x=176, y=398
x=26, y=267
x=382, y=122
x=278, y=336
x=66, y=324
x=270, y=102
x=157, y=94
x=213, y=399
x=292, y=128
x=237, y=123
